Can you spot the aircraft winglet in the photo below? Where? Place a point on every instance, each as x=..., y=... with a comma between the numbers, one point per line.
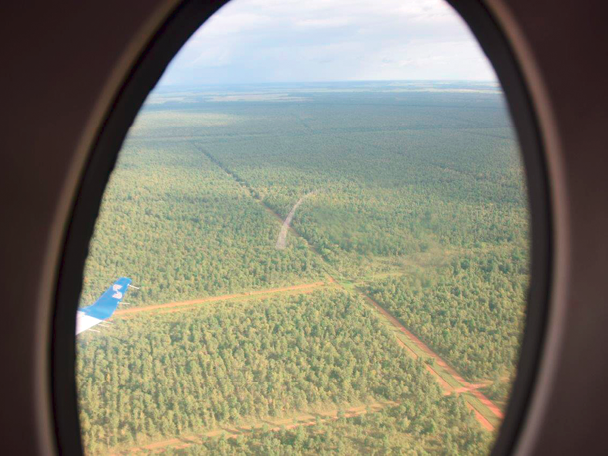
x=104, y=307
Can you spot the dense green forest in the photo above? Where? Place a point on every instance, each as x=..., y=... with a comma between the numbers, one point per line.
x=174, y=373
x=470, y=310
x=411, y=428
x=382, y=195
x=181, y=229
x=413, y=197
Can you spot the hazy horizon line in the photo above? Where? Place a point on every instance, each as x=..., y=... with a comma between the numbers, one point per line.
x=336, y=81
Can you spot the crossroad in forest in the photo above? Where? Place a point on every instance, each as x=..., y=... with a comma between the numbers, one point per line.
x=486, y=412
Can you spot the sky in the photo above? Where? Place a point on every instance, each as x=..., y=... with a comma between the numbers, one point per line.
x=271, y=41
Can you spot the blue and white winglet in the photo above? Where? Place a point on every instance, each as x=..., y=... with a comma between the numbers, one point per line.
x=104, y=307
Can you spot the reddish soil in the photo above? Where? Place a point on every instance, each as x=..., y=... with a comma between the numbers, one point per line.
x=447, y=389
x=466, y=385
x=237, y=299
x=306, y=288
x=414, y=339
x=307, y=419
x=488, y=403
x=471, y=387
x=485, y=423
x=411, y=352
x=173, y=305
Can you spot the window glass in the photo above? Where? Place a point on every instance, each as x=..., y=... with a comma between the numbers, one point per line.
x=315, y=240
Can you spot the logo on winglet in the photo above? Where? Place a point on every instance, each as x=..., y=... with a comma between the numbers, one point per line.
x=116, y=288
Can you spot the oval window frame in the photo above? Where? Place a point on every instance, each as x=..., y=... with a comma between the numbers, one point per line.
x=145, y=72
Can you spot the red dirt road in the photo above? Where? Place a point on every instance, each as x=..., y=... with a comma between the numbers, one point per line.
x=482, y=420
x=467, y=386
x=231, y=432
x=193, y=302
x=483, y=399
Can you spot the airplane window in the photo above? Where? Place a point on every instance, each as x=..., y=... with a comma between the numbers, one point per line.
x=315, y=240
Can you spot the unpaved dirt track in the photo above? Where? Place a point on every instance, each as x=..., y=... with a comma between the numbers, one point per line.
x=193, y=302
x=282, y=239
x=466, y=386
x=231, y=432
x=482, y=420
x=448, y=389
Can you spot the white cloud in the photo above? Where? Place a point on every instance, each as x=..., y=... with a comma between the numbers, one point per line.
x=212, y=56
x=227, y=23
x=426, y=10
x=323, y=22
x=314, y=40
